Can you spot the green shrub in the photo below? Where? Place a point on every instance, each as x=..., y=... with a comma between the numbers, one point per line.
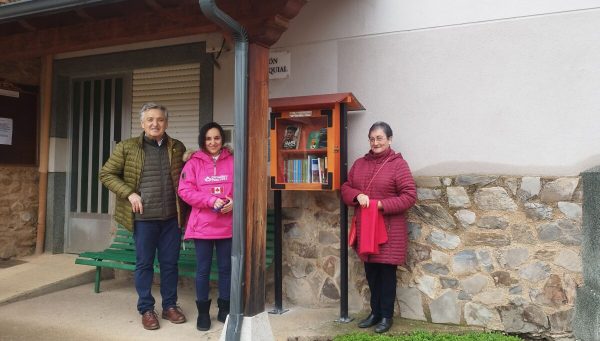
x=427, y=336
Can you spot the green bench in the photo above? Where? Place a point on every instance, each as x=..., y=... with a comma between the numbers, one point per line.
x=121, y=255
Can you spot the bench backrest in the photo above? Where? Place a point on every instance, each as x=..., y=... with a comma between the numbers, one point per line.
x=187, y=258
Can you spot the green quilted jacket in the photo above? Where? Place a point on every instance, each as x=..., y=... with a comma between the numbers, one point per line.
x=122, y=171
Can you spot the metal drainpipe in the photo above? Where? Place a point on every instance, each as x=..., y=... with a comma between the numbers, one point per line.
x=213, y=13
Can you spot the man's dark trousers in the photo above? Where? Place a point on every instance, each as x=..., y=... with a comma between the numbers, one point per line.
x=150, y=236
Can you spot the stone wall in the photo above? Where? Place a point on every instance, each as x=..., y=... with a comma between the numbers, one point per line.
x=18, y=211
x=493, y=251
x=25, y=72
x=19, y=198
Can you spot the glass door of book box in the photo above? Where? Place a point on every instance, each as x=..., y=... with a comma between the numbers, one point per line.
x=301, y=152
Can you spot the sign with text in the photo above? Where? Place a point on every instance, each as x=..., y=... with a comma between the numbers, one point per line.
x=279, y=65
x=6, y=130
x=300, y=113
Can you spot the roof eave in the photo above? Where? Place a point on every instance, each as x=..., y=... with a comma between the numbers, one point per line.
x=29, y=8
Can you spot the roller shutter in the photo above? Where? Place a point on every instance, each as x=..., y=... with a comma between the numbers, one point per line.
x=178, y=88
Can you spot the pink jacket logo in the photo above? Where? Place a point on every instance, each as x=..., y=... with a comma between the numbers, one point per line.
x=215, y=178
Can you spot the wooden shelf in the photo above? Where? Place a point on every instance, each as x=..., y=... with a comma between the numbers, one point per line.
x=290, y=153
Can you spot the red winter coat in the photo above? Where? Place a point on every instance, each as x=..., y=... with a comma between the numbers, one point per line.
x=395, y=187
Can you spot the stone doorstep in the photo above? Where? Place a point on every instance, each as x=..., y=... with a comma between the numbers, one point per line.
x=5, y=264
x=83, y=278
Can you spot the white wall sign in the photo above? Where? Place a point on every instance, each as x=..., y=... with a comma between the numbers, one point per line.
x=279, y=65
x=6, y=129
x=9, y=93
x=300, y=113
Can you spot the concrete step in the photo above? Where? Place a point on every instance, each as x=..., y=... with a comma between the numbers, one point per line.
x=34, y=276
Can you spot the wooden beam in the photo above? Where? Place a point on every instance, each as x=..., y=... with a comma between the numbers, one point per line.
x=264, y=21
x=108, y=32
x=256, y=200
x=245, y=6
x=154, y=5
x=81, y=12
x=266, y=29
x=26, y=25
x=46, y=112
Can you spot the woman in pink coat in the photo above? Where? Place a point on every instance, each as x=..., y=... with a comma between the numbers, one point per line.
x=381, y=178
x=206, y=184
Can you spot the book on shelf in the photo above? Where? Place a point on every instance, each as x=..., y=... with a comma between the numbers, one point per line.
x=291, y=137
x=323, y=169
x=322, y=138
x=284, y=174
x=294, y=170
x=312, y=142
x=311, y=169
x=315, y=172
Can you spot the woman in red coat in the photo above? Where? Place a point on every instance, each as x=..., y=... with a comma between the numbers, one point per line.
x=381, y=178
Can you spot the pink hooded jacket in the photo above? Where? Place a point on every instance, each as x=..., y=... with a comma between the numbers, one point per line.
x=202, y=182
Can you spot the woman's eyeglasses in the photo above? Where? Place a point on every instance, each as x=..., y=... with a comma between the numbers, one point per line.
x=378, y=139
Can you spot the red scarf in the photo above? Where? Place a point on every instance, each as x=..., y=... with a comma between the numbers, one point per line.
x=372, y=230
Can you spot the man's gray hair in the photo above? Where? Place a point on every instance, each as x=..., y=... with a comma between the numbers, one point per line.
x=150, y=106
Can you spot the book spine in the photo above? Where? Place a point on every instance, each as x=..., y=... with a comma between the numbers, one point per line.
x=314, y=170
x=320, y=163
x=307, y=169
x=325, y=170
x=296, y=171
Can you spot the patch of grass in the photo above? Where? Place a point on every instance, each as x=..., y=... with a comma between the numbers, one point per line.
x=427, y=336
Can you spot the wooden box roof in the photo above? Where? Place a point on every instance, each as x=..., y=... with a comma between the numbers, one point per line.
x=315, y=102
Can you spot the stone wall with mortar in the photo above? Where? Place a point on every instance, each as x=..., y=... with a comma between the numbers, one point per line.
x=19, y=198
x=26, y=72
x=494, y=251
x=18, y=211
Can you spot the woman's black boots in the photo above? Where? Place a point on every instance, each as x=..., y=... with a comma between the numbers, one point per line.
x=384, y=325
x=203, y=322
x=370, y=321
x=223, y=309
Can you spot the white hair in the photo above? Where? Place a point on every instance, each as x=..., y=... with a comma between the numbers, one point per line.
x=150, y=106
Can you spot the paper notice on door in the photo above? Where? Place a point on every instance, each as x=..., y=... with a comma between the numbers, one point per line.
x=6, y=130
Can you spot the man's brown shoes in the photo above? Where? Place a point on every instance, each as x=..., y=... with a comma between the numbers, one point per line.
x=150, y=320
x=174, y=314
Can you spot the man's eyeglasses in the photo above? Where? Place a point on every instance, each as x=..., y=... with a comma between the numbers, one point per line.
x=378, y=139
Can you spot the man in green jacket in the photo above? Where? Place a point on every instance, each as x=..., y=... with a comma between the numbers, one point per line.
x=144, y=172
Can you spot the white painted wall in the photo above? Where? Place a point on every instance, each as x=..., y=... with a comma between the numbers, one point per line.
x=321, y=20
x=223, y=89
x=469, y=86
